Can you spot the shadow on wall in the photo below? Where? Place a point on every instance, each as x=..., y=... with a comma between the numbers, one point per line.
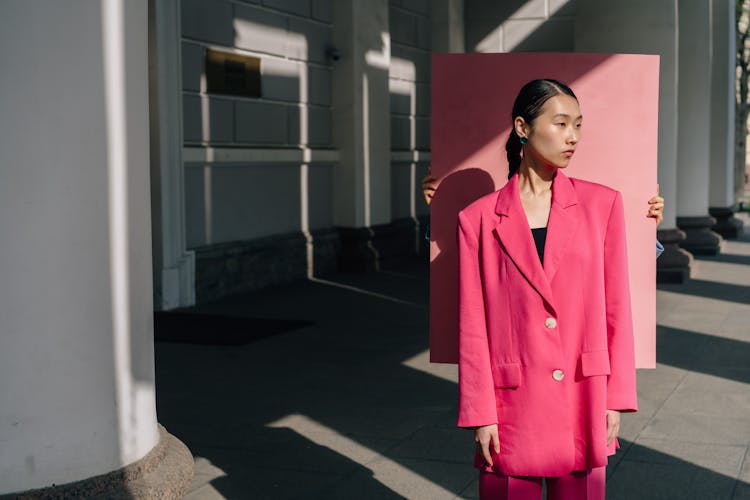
x=486, y=26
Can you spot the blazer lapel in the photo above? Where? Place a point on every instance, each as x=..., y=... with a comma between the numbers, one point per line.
x=562, y=224
x=515, y=237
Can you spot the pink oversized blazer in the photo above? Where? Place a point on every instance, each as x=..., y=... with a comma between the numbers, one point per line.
x=544, y=351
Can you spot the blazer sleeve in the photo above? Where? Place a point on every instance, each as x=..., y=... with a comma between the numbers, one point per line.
x=621, y=386
x=475, y=384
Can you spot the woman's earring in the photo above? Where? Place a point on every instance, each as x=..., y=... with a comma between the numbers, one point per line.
x=523, y=140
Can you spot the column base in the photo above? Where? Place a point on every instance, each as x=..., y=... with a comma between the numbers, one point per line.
x=727, y=225
x=164, y=473
x=674, y=264
x=699, y=239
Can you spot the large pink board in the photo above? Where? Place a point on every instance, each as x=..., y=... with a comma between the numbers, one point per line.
x=472, y=98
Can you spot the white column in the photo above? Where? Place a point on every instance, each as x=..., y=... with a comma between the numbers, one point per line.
x=723, y=68
x=694, y=127
x=361, y=116
x=76, y=335
x=174, y=265
x=694, y=124
x=617, y=26
x=646, y=27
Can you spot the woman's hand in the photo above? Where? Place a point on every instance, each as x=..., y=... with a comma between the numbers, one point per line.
x=613, y=425
x=486, y=436
x=428, y=186
x=656, y=207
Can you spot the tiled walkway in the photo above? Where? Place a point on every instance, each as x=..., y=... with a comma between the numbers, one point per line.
x=350, y=407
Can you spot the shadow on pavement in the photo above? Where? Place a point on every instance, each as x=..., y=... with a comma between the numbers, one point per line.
x=728, y=258
x=345, y=373
x=711, y=290
x=647, y=474
x=698, y=352
x=331, y=411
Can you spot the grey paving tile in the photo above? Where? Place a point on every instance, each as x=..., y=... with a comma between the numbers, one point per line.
x=655, y=386
x=613, y=461
x=267, y=483
x=471, y=491
x=724, y=272
x=712, y=383
x=204, y=492
x=708, y=321
x=666, y=301
x=648, y=481
x=698, y=428
x=272, y=445
x=631, y=424
x=737, y=324
x=437, y=443
x=741, y=491
x=722, y=459
x=305, y=457
x=709, y=401
x=745, y=471
x=406, y=478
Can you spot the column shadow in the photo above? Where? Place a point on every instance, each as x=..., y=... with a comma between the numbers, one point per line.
x=647, y=474
x=699, y=352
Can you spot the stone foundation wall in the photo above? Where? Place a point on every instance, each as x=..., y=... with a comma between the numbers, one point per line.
x=246, y=266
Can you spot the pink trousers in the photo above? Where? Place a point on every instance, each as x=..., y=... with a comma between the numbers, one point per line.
x=584, y=485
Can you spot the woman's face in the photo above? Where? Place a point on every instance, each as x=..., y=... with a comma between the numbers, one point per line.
x=554, y=134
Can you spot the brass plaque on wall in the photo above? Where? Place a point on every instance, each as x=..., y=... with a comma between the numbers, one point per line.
x=234, y=74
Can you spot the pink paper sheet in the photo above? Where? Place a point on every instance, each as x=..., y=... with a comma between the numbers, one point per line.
x=472, y=97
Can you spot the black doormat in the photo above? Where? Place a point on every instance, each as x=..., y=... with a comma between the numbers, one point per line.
x=215, y=329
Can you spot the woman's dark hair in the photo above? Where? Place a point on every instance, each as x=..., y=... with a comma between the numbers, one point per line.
x=528, y=105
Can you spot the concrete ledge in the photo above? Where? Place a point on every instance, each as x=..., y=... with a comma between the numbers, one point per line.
x=164, y=473
x=247, y=266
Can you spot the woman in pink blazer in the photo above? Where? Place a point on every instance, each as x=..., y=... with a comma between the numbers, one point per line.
x=546, y=357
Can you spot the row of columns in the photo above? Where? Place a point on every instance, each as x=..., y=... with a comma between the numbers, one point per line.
x=696, y=112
